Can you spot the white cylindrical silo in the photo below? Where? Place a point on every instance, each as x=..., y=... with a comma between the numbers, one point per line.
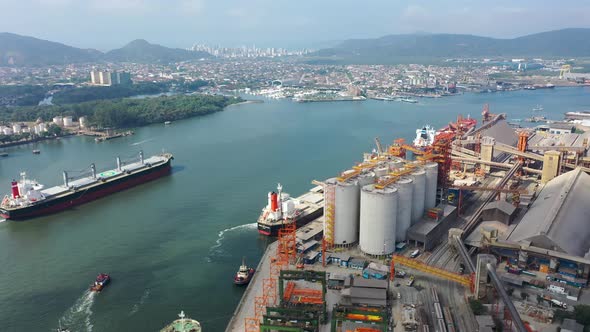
x=396, y=164
x=378, y=220
x=346, y=219
x=82, y=122
x=67, y=121
x=382, y=170
x=365, y=179
x=405, y=188
x=58, y=120
x=345, y=213
x=419, y=180
x=431, y=184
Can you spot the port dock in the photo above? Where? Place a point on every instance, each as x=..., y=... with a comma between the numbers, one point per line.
x=245, y=308
x=407, y=244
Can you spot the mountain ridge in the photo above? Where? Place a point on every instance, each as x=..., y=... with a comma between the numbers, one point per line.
x=555, y=43
x=18, y=50
x=140, y=50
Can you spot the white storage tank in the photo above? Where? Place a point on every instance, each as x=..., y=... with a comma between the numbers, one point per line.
x=42, y=127
x=58, y=120
x=67, y=121
x=83, y=122
x=7, y=131
x=431, y=184
x=396, y=164
x=405, y=189
x=419, y=180
x=382, y=170
x=16, y=128
x=346, y=211
x=364, y=179
x=378, y=220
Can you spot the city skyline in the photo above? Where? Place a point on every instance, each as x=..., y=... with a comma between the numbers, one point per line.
x=182, y=23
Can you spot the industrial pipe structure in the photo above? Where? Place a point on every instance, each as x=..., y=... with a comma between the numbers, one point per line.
x=459, y=149
x=464, y=254
x=495, y=164
x=500, y=288
x=515, y=151
x=511, y=150
x=475, y=218
x=496, y=282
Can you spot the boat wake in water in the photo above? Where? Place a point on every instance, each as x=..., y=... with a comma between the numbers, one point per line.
x=77, y=318
x=141, y=301
x=215, y=249
x=141, y=142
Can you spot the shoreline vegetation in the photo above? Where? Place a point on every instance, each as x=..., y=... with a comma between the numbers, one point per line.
x=124, y=113
x=119, y=113
x=34, y=139
x=31, y=95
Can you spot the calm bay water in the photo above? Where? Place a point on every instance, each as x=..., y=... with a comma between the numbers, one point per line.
x=175, y=243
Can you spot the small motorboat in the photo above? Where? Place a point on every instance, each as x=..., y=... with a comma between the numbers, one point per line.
x=244, y=274
x=101, y=281
x=36, y=151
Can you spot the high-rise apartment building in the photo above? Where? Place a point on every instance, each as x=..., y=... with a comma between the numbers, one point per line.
x=98, y=77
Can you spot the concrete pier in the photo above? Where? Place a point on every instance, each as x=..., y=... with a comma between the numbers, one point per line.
x=245, y=308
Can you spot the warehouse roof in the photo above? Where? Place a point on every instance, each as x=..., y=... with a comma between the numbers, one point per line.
x=370, y=283
x=340, y=256
x=562, y=125
x=558, y=218
x=368, y=293
x=501, y=205
x=501, y=132
x=310, y=230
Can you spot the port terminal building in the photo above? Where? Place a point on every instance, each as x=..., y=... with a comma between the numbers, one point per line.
x=552, y=237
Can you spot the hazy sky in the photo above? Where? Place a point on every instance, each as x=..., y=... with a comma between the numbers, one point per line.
x=106, y=24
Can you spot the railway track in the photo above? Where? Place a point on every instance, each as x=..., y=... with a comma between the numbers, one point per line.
x=438, y=252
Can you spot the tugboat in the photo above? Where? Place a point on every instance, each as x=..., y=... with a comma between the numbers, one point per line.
x=183, y=324
x=101, y=281
x=244, y=274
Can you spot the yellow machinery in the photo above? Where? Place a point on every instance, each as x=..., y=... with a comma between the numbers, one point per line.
x=465, y=280
x=399, y=148
x=394, y=176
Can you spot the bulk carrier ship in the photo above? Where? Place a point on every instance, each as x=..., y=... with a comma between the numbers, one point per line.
x=283, y=210
x=29, y=199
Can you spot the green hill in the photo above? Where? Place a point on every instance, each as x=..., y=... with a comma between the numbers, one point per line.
x=22, y=50
x=391, y=48
x=141, y=51
x=19, y=50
